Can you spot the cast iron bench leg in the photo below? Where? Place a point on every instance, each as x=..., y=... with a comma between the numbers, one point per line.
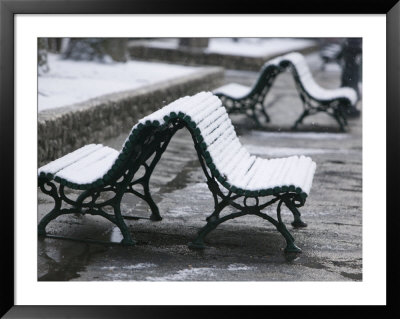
x=198, y=243
x=146, y=196
x=338, y=115
x=55, y=212
x=280, y=226
x=290, y=245
x=77, y=208
x=264, y=112
x=297, y=222
x=300, y=119
x=214, y=220
x=127, y=240
x=155, y=212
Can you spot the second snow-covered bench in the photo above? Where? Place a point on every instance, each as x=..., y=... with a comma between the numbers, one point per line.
x=239, y=98
x=235, y=178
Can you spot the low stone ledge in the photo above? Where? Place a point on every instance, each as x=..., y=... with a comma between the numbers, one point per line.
x=196, y=56
x=62, y=130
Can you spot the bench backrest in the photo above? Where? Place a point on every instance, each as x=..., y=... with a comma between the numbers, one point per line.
x=305, y=79
x=205, y=116
x=228, y=160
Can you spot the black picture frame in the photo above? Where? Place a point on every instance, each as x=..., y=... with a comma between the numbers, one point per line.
x=8, y=10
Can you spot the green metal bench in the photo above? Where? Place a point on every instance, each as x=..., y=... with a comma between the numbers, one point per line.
x=239, y=98
x=234, y=177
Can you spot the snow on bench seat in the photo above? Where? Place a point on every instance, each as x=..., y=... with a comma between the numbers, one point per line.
x=55, y=166
x=83, y=166
x=91, y=167
x=234, y=90
x=229, y=161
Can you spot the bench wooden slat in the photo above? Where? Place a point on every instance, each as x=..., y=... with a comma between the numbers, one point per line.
x=210, y=120
x=222, y=119
x=229, y=145
x=284, y=178
x=70, y=158
x=90, y=168
x=204, y=113
x=306, y=186
x=198, y=106
x=215, y=135
x=301, y=171
x=241, y=163
x=259, y=178
x=251, y=173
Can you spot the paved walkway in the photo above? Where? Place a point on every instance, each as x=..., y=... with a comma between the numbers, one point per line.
x=244, y=249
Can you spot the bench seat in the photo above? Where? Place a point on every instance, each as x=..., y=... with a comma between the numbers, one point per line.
x=234, y=90
x=83, y=166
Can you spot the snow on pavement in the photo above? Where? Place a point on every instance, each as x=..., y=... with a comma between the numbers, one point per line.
x=251, y=47
x=69, y=82
x=301, y=135
x=257, y=47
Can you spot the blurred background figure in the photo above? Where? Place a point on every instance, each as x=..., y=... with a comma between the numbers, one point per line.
x=331, y=51
x=351, y=74
x=43, y=66
x=97, y=49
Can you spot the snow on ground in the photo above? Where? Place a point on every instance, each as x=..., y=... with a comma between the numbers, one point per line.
x=302, y=135
x=196, y=274
x=130, y=267
x=257, y=47
x=251, y=47
x=69, y=82
x=271, y=151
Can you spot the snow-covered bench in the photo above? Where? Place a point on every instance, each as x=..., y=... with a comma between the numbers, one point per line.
x=236, y=178
x=250, y=100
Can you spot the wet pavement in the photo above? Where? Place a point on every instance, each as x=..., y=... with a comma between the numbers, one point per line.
x=244, y=249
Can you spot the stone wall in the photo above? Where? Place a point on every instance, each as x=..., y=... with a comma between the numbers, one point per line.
x=195, y=56
x=65, y=129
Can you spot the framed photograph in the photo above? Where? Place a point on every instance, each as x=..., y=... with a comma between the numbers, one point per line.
x=46, y=279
